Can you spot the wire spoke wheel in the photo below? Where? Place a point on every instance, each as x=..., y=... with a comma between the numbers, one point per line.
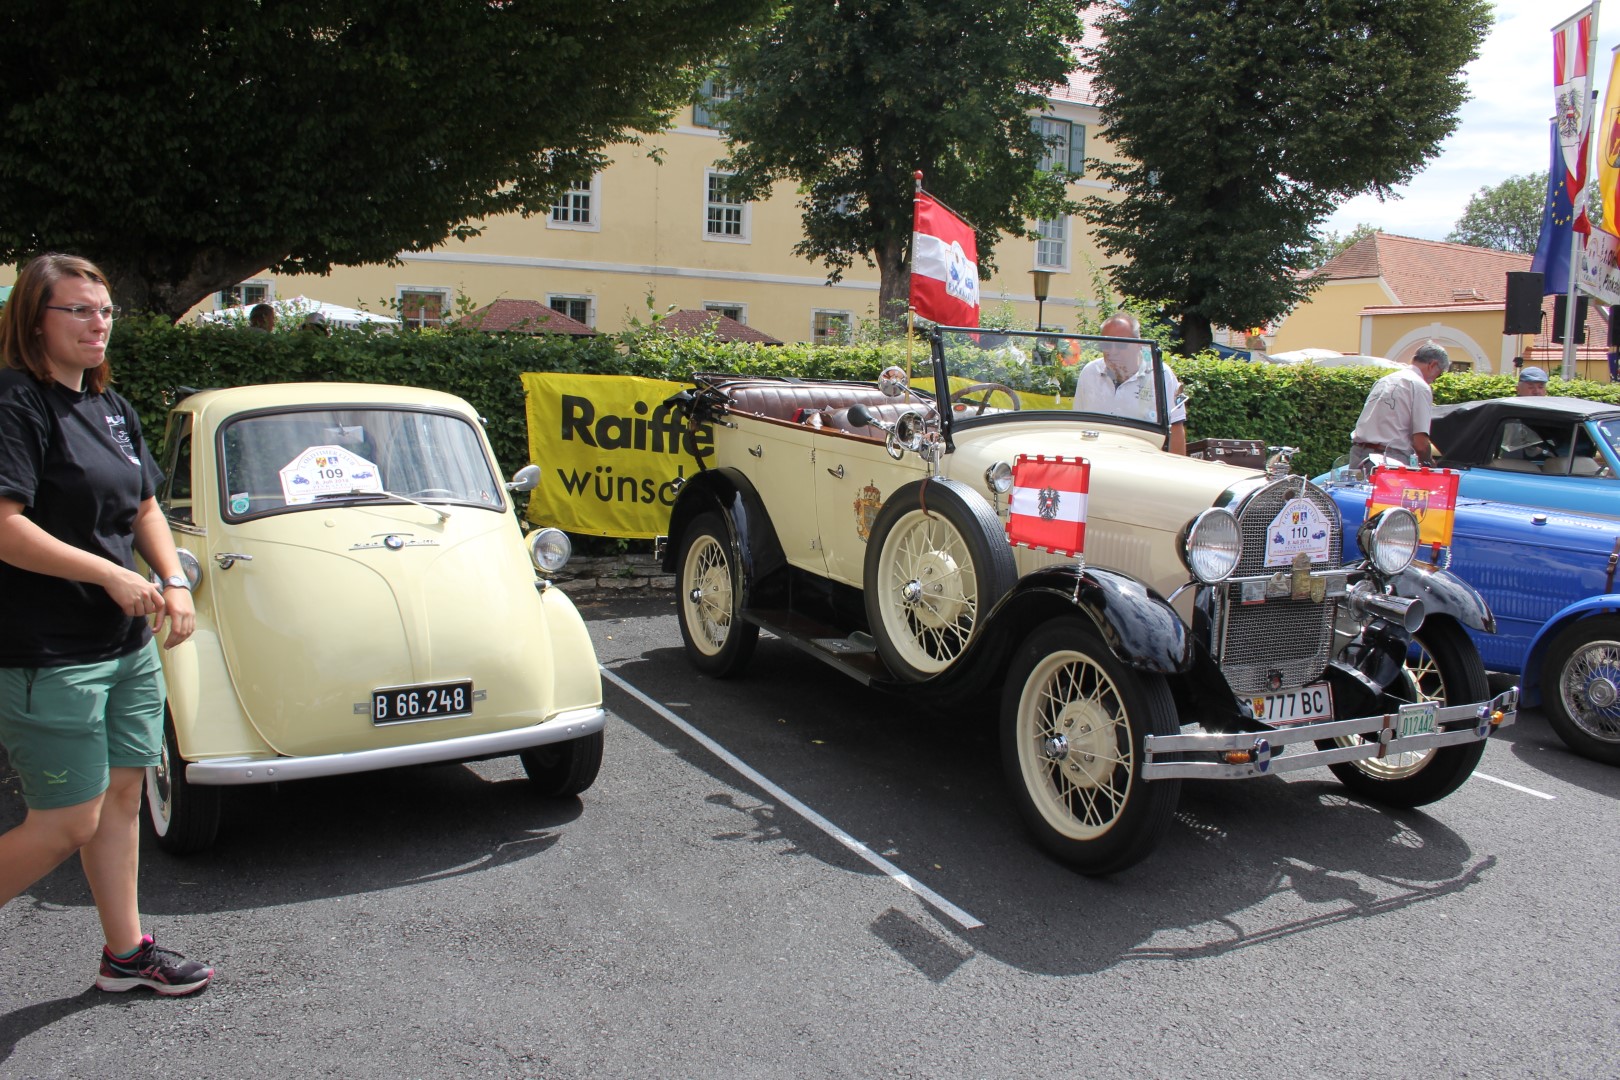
x=718, y=641
x=1581, y=683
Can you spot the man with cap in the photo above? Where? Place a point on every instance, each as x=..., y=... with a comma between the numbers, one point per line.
x=1395, y=419
x=1532, y=382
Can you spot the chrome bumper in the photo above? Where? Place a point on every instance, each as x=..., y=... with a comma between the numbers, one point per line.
x=242, y=770
x=1250, y=753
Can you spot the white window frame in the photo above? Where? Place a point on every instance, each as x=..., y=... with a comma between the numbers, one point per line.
x=446, y=295
x=221, y=301
x=1052, y=252
x=714, y=89
x=744, y=209
x=1056, y=159
x=728, y=305
x=848, y=318
x=575, y=298
x=592, y=192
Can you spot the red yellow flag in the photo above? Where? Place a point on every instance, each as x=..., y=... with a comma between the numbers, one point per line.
x=1431, y=494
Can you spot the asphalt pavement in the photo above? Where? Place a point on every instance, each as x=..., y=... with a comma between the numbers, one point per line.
x=788, y=875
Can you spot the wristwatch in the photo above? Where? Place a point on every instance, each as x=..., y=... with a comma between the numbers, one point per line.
x=178, y=581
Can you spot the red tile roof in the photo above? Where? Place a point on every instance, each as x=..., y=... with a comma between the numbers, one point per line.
x=1427, y=273
x=1078, y=88
x=691, y=321
x=524, y=317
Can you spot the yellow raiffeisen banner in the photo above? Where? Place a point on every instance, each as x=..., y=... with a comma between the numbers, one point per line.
x=609, y=452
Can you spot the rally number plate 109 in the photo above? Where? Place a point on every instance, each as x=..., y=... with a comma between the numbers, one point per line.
x=1314, y=702
x=427, y=701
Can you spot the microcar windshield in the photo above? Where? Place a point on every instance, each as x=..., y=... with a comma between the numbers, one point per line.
x=289, y=460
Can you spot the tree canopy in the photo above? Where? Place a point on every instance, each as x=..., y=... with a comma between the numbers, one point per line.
x=1242, y=126
x=1506, y=216
x=186, y=145
x=849, y=97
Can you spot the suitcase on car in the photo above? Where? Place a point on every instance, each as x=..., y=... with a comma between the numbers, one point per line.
x=1245, y=453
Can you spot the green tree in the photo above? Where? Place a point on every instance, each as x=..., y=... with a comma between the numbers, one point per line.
x=849, y=97
x=188, y=144
x=1241, y=126
x=1506, y=216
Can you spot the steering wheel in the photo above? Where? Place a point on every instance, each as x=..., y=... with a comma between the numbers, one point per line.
x=434, y=493
x=988, y=389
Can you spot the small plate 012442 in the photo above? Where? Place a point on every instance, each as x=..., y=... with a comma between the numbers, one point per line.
x=425, y=701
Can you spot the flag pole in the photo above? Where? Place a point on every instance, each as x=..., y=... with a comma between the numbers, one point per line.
x=911, y=314
x=1577, y=206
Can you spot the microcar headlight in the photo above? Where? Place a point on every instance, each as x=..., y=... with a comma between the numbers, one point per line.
x=550, y=549
x=190, y=567
x=1389, y=540
x=998, y=478
x=1212, y=545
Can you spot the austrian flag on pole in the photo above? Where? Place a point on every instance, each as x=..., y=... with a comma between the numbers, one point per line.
x=1048, y=508
x=944, y=265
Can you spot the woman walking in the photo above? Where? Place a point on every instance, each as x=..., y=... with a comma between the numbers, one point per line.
x=81, y=690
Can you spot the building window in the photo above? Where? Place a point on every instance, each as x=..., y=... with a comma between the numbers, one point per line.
x=246, y=294
x=737, y=312
x=576, y=208
x=420, y=307
x=1065, y=145
x=712, y=92
x=1052, y=249
x=830, y=327
x=725, y=215
x=577, y=308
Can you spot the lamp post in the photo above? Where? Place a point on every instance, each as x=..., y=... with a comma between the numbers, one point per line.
x=1043, y=280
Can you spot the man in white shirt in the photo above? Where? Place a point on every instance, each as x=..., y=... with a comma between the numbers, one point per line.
x=1395, y=420
x=1121, y=382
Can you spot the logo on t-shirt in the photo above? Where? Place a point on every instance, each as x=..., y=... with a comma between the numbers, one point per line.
x=119, y=431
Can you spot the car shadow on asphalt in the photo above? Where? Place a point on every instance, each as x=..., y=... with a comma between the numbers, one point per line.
x=1246, y=863
x=335, y=836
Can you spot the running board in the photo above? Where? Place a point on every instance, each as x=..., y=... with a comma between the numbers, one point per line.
x=853, y=654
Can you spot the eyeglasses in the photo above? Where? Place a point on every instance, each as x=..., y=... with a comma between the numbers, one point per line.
x=85, y=314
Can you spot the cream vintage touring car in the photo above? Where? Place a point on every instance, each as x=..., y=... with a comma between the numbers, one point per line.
x=1207, y=627
x=365, y=599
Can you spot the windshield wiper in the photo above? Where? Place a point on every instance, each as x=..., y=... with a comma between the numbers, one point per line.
x=362, y=493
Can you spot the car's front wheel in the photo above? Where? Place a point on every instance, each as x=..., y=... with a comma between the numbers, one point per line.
x=184, y=817
x=1073, y=720
x=1581, y=684
x=936, y=562
x=719, y=641
x=560, y=770
x=1447, y=669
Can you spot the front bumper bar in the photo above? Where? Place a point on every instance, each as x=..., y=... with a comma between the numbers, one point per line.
x=1249, y=754
x=242, y=770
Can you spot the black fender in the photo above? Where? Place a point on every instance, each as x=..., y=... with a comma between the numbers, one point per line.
x=728, y=492
x=1444, y=593
x=1138, y=625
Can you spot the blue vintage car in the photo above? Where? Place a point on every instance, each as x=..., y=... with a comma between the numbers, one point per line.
x=1560, y=453
x=1550, y=579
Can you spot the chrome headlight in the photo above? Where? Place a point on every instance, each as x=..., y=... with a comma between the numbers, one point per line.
x=998, y=478
x=550, y=549
x=191, y=567
x=1212, y=545
x=1389, y=540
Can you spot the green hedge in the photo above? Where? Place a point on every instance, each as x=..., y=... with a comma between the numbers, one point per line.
x=1303, y=406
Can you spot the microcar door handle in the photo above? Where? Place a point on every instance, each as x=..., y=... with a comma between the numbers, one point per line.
x=228, y=559
x=838, y=472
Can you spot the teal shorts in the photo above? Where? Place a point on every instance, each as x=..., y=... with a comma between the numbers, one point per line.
x=64, y=727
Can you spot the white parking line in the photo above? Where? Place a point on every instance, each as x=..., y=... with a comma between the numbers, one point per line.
x=1515, y=787
x=929, y=896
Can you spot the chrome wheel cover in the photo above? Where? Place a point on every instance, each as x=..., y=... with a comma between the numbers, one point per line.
x=706, y=594
x=1074, y=745
x=1589, y=688
x=928, y=591
x=160, y=793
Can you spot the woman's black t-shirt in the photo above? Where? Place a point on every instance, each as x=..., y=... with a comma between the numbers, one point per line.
x=78, y=464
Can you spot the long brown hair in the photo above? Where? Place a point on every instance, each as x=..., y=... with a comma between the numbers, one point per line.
x=24, y=314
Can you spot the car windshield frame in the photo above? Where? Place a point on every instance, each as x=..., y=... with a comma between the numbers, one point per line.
x=1037, y=363
x=349, y=425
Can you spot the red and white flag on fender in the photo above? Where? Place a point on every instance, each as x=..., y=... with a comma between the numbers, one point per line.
x=944, y=265
x=1048, y=507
